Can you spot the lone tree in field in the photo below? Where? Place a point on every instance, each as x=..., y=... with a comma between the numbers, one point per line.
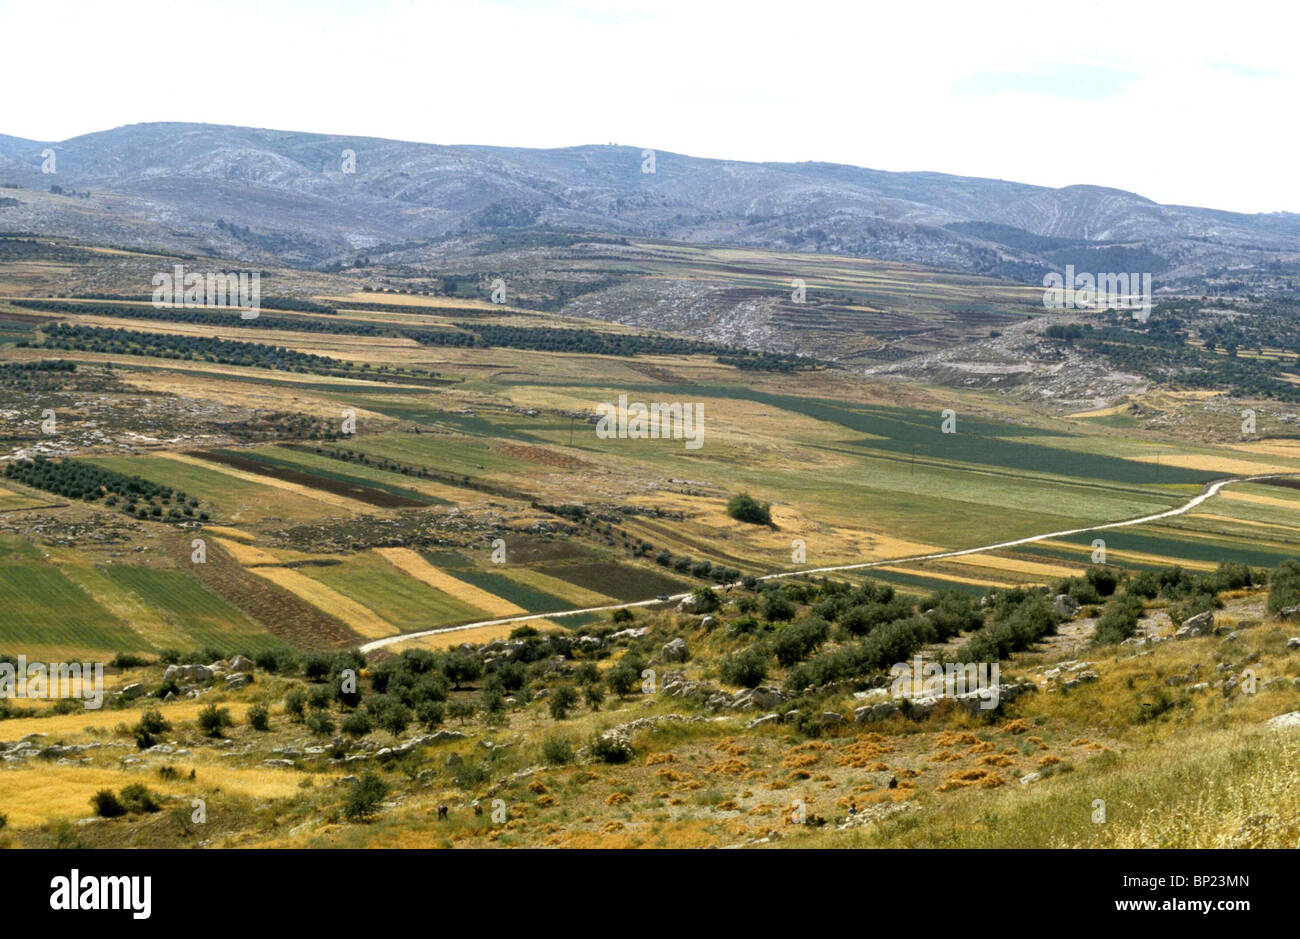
x=745, y=508
x=364, y=796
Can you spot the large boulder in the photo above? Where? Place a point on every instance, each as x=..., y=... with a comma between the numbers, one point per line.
x=869, y=713
x=694, y=603
x=440, y=735
x=675, y=651
x=1289, y=721
x=1202, y=624
x=1293, y=642
x=1065, y=605
x=187, y=673
x=240, y=664
x=764, y=698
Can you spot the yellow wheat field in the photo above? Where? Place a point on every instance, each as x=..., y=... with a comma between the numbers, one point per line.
x=362, y=620
x=412, y=564
x=34, y=795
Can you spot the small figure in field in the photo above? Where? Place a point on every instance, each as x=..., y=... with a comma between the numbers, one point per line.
x=478, y=809
x=442, y=813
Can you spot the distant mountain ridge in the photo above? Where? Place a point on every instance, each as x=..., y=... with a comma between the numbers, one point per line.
x=284, y=195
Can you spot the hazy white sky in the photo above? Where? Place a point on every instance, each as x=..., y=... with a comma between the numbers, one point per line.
x=1187, y=102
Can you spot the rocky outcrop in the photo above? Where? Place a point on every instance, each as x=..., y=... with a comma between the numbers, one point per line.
x=1065, y=605
x=1290, y=721
x=1202, y=624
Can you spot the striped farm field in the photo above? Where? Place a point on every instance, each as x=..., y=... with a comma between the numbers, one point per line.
x=1166, y=545
x=206, y=620
x=297, y=469
x=1259, y=495
x=248, y=555
x=358, y=474
x=1010, y=564
x=192, y=477
x=573, y=595
x=45, y=611
x=297, y=489
x=362, y=620
x=469, y=596
x=919, y=583
x=403, y=601
x=623, y=581
x=512, y=588
x=157, y=630
x=947, y=577
x=234, y=534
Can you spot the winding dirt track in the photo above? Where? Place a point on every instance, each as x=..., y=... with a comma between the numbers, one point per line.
x=1211, y=490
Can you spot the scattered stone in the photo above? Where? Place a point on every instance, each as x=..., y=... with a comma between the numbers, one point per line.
x=675, y=651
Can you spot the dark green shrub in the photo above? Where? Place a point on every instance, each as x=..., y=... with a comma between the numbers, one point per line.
x=213, y=719
x=139, y=799
x=746, y=668
x=745, y=508
x=106, y=804
x=557, y=750
x=259, y=717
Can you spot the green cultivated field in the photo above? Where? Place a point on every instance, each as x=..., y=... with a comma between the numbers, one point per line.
x=204, y=618
x=407, y=603
x=45, y=611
